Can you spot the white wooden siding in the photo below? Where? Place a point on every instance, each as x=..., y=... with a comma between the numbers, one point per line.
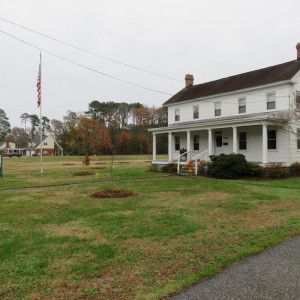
x=256, y=102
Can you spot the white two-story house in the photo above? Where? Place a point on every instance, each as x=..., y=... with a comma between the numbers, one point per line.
x=232, y=115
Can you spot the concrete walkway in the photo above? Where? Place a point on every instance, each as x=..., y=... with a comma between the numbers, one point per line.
x=272, y=274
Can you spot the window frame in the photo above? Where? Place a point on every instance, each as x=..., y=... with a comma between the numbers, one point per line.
x=196, y=142
x=271, y=101
x=269, y=140
x=298, y=139
x=177, y=143
x=218, y=109
x=243, y=140
x=177, y=114
x=242, y=106
x=196, y=113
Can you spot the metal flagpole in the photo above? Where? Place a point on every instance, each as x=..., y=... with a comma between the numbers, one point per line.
x=41, y=126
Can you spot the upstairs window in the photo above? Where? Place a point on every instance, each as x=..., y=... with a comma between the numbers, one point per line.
x=177, y=143
x=217, y=109
x=177, y=115
x=298, y=100
x=271, y=139
x=196, y=142
x=196, y=111
x=271, y=101
x=243, y=141
x=242, y=105
x=298, y=139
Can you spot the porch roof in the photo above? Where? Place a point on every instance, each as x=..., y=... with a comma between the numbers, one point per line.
x=243, y=120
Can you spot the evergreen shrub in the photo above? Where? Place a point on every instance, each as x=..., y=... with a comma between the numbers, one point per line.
x=255, y=170
x=228, y=166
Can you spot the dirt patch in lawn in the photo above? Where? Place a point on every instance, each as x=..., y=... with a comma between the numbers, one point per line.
x=98, y=168
x=74, y=228
x=100, y=163
x=113, y=194
x=68, y=164
x=83, y=173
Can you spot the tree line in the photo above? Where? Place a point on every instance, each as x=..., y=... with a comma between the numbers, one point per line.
x=105, y=128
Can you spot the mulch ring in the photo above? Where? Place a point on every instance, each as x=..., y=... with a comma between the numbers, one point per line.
x=98, y=168
x=68, y=164
x=113, y=194
x=83, y=173
x=100, y=163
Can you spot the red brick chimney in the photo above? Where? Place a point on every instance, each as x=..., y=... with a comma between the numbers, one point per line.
x=7, y=144
x=298, y=51
x=189, y=80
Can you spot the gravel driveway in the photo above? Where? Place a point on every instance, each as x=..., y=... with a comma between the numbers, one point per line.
x=272, y=274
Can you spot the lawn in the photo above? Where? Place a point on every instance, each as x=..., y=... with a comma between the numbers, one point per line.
x=57, y=242
x=26, y=171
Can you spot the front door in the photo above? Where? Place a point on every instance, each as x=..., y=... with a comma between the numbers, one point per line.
x=218, y=143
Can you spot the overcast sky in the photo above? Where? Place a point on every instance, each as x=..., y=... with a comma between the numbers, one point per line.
x=209, y=39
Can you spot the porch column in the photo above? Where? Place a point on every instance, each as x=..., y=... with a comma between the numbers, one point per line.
x=188, y=144
x=170, y=146
x=234, y=140
x=154, y=147
x=264, y=144
x=210, y=140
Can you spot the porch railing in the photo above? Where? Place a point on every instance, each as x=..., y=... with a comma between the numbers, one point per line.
x=178, y=159
x=195, y=158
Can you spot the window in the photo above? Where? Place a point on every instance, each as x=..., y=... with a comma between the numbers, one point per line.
x=298, y=100
x=177, y=143
x=217, y=109
x=271, y=101
x=242, y=105
x=177, y=115
x=196, y=142
x=243, y=141
x=196, y=111
x=271, y=139
x=298, y=139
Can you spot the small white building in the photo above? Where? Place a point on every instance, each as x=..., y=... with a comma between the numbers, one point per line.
x=49, y=146
x=232, y=115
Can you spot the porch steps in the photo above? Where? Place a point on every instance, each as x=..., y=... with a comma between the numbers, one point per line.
x=187, y=168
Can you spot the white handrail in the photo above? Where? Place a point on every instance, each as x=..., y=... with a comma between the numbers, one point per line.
x=178, y=160
x=195, y=158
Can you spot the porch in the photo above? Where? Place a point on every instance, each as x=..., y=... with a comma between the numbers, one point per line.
x=259, y=142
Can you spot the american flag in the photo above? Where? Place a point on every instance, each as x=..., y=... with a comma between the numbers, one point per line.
x=38, y=85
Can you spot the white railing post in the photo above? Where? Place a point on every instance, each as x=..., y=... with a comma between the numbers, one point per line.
x=178, y=160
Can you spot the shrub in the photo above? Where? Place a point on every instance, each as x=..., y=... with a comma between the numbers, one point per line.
x=295, y=168
x=228, y=166
x=172, y=168
x=275, y=171
x=255, y=170
x=201, y=170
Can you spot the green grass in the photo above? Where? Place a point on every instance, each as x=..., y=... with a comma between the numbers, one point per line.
x=57, y=242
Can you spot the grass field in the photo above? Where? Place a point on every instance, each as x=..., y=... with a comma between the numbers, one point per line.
x=58, y=243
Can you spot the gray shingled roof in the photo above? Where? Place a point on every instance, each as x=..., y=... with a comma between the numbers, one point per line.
x=285, y=71
x=37, y=141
